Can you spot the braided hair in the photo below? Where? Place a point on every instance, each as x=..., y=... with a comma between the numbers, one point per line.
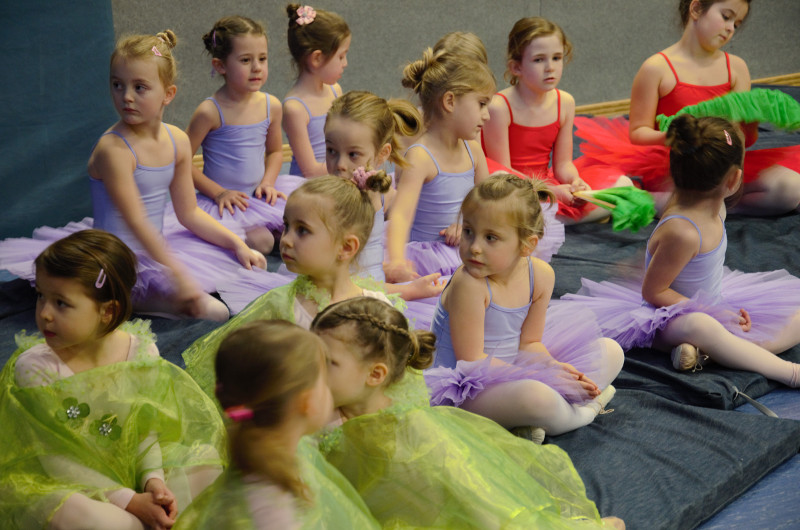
x=382, y=334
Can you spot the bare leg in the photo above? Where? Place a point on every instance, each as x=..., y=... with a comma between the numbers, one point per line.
x=775, y=192
x=81, y=512
x=260, y=238
x=727, y=349
x=210, y=308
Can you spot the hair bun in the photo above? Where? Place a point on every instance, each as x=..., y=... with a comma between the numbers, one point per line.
x=414, y=72
x=684, y=135
x=169, y=37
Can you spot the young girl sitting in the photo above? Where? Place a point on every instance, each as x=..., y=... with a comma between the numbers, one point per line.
x=134, y=167
x=327, y=221
x=693, y=306
x=692, y=70
x=432, y=467
x=495, y=306
x=445, y=163
x=272, y=384
x=239, y=129
x=100, y=432
x=318, y=42
x=531, y=121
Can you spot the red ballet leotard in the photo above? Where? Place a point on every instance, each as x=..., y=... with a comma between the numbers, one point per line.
x=607, y=148
x=530, y=149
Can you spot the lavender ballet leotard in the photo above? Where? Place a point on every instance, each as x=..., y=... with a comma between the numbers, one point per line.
x=233, y=157
x=316, y=133
x=771, y=298
x=568, y=338
x=439, y=202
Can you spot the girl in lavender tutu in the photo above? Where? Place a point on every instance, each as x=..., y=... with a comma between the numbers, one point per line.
x=693, y=306
x=496, y=353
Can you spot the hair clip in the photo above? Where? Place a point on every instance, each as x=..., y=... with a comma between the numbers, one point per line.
x=727, y=137
x=101, y=279
x=214, y=39
x=360, y=176
x=213, y=72
x=239, y=413
x=305, y=15
x=156, y=52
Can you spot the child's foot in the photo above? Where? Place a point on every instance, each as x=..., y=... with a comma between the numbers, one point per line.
x=534, y=434
x=687, y=357
x=605, y=397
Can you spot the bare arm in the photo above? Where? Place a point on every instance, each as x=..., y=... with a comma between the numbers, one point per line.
x=195, y=219
x=466, y=300
x=479, y=159
x=495, y=132
x=672, y=248
x=530, y=338
x=295, y=123
x=644, y=101
x=273, y=156
x=564, y=169
x=409, y=187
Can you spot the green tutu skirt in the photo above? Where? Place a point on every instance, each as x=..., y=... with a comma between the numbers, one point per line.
x=443, y=467
x=84, y=433
x=277, y=304
x=335, y=504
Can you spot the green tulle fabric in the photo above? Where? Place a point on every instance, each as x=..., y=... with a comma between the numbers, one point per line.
x=757, y=105
x=275, y=304
x=442, y=467
x=633, y=208
x=336, y=505
x=91, y=424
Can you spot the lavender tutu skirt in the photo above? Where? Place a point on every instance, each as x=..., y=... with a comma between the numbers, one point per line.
x=258, y=213
x=771, y=298
x=247, y=285
x=286, y=184
x=569, y=337
x=208, y=264
x=554, y=234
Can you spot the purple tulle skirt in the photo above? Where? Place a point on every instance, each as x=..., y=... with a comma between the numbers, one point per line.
x=206, y=263
x=771, y=298
x=257, y=214
x=286, y=184
x=570, y=337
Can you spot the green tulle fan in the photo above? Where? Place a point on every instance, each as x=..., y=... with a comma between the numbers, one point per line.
x=631, y=208
x=757, y=105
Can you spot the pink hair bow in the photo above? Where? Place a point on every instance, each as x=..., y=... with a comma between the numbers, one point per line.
x=305, y=15
x=239, y=413
x=156, y=52
x=361, y=175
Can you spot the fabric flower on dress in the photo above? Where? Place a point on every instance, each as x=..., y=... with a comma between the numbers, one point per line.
x=72, y=410
x=106, y=429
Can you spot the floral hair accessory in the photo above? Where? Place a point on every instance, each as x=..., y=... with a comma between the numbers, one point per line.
x=361, y=175
x=101, y=279
x=727, y=137
x=156, y=52
x=239, y=413
x=305, y=15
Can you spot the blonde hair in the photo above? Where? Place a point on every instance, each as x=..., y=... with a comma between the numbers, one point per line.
x=142, y=46
x=388, y=120
x=525, y=30
x=437, y=73
x=521, y=198
x=265, y=365
x=463, y=43
x=351, y=209
x=325, y=33
x=381, y=333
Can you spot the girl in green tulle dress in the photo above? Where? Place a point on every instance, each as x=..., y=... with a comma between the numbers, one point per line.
x=272, y=384
x=99, y=431
x=327, y=223
x=432, y=467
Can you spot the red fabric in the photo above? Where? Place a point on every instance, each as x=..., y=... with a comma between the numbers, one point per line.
x=608, y=151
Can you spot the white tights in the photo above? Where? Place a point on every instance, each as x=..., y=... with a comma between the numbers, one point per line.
x=529, y=402
x=725, y=348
